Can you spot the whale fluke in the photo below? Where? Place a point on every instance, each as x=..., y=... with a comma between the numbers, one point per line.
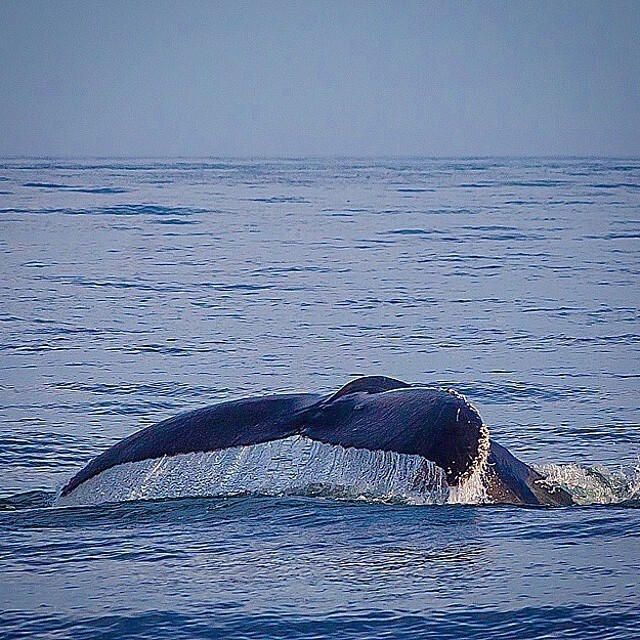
x=228, y=424
x=375, y=414
x=434, y=423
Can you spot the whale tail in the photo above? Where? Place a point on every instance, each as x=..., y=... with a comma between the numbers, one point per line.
x=384, y=414
x=511, y=480
x=375, y=413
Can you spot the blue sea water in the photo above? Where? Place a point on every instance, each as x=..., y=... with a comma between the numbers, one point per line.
x=133, y=290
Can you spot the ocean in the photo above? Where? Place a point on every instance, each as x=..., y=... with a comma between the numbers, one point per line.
x=133, y=290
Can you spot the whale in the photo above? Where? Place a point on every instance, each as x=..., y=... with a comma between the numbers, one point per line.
x=374, y=436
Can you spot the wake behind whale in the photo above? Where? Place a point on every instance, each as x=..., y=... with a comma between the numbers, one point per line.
x=376, y=438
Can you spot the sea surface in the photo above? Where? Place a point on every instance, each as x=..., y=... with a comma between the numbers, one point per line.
x=134, y=290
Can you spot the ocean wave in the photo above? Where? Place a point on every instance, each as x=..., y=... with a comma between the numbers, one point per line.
x=231, y=621
x=53, y=186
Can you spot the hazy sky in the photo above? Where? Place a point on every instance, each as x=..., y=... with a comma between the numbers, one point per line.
x=298, y=78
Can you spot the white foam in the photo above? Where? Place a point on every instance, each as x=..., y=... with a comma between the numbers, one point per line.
x=291, y=466
x=595, y=484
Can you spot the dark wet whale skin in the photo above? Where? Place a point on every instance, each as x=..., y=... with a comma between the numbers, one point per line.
x=375, y=413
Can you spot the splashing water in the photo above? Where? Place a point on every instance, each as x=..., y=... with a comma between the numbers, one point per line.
x=594, y=484
x=472, y=490
x=291, y=466
x=301, y=466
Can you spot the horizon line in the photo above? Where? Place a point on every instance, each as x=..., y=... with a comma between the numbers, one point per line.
x=322, y=157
